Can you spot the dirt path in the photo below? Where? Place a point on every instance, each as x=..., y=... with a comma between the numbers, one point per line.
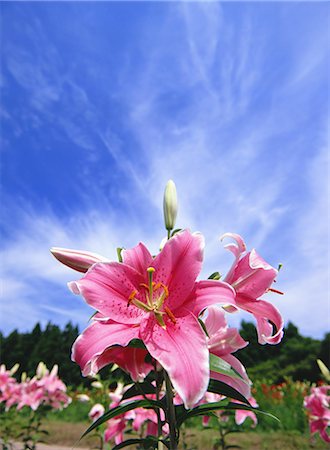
x=18, y=446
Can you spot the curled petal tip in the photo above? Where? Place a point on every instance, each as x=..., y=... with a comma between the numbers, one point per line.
x=239, y=240
x=74, y=288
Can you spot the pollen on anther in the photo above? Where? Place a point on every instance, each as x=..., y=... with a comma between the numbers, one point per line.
x=131, y=297
x=170, y=314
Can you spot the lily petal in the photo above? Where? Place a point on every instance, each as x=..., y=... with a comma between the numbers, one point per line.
x=253, y=275
x=95, y=339
x=137, y=257
x=241, y=385
x=210, y=292
x=178, y=265
x=131, y=360
x=266, y=315
x=107, y=287
x=182, y=350
x=222, y=339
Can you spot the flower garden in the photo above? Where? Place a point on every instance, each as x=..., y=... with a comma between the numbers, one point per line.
x=163, y=334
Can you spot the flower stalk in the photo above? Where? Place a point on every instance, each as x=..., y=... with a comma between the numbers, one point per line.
x=171, y=413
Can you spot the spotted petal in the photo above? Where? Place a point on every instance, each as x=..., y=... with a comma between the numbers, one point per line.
x=182, y=350
x=137, y=257
x=178, y=265
x=107, y=287
x=95, y=339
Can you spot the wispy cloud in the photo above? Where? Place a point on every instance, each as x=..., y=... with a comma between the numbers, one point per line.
x=205, y=102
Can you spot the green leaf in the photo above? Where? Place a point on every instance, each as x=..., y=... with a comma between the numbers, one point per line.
x=177, y=230
x=138, y=389
x=219, y=365
x=114, y=412
x=202, y=324
x=218, y=387
x=215, y=276
x=224, y=405
x=137, y=343
x=119, y=250
x=149, y=442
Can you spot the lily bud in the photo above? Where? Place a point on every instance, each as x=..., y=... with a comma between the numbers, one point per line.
x=83, y=398
x=170, y=205
x=41, y=370
x=14, y=369
x=97, y=384
x=75, y=259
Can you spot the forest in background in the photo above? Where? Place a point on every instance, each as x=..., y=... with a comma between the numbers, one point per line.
x=294, y=357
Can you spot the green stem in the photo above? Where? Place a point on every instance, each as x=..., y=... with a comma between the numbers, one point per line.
x=222, y=438
x=171, y=413
x=159, y=382
x=168, y=234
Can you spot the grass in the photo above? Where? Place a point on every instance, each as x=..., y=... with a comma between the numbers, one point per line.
x=63, y=433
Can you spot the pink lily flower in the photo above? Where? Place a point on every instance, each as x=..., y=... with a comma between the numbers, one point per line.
x=223, y=341
x=251, y=277
x=241, y=414
x=158, y=301
x=96, y=412
x=318, y=407
x=115, y=430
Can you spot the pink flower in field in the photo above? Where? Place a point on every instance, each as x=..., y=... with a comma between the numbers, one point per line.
x=318, y=408
x=241, y=414
x=158, y=301
x=96, y=412
x=251, y=277
x=9, y=387
x=115, y=430
x=223, y=341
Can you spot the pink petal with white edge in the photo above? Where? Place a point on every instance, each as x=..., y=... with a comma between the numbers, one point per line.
x=131, y=360
x=182, y=350
x=96, y=338
x=178, y=265
x=253, y=275
x=241, y=385
x=238, y=247
x=107, y=288
x=266, y=314
x=210, y=292
x=241, y=415
x=79, y=260
x=222, y=339
x=137, y=257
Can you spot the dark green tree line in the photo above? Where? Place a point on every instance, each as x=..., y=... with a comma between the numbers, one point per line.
x=295, y=356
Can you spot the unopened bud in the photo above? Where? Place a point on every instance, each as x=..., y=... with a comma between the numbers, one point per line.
x=97, y=384
x=76, y=259
x=14, y=369
x=41, y=370
x=83, y=398
x=324, y=370
x=170, y=205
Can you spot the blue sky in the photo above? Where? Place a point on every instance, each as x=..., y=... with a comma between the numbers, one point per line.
x=102, y=103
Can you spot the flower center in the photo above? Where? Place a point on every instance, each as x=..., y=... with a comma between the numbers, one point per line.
x=155, y=295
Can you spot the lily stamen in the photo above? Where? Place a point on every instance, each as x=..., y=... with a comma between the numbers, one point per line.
x=276, y=291
x=170, y=314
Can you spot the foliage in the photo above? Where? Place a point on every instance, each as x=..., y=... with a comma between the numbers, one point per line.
x=295, y=356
